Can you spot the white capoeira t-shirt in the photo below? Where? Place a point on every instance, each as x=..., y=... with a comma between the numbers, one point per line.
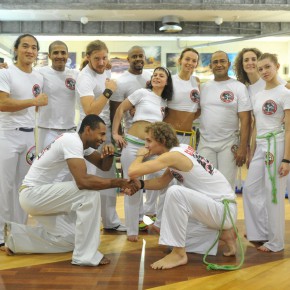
x=220, y=104
x=20, y=86
x=268, y=108
x=186, y=95
x=127, y=84
x=90, y=83
x=203, y=177
x=52, y=160
x=60, y=89
x=149, y=106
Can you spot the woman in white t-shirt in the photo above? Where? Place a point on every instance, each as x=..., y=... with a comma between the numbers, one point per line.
x=265, y=183
x=183, y=109
x=150, y=107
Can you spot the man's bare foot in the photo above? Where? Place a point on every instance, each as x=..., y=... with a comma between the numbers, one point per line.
x=132, y=238
x=264, y=249
x=154, y=229
x=2, y=247
x=229, y=237
x=176, y=258
x=105, y=261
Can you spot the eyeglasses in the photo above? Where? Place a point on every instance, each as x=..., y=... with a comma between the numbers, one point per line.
x=221, y=61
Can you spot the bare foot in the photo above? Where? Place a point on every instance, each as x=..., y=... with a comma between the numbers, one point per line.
x=229, y=237
x=264, y=249
x=176, y=258
x=105, y=261
x=2, y=247
x=8, y=251
x=132, y=238
x=154, y=228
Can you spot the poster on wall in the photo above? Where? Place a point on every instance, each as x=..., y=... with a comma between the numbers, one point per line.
x=71, y=61
x=42, y=59
x=119, y=63
x=153, y=57
x=171, y=62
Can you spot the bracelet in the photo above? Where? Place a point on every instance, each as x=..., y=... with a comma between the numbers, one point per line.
x=142, y=183
x=107, y=93
x=285, y=160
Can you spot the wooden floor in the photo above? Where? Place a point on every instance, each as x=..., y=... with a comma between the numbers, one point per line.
x=130, y=267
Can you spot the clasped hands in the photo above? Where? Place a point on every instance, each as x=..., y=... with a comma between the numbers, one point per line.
x=130, y=187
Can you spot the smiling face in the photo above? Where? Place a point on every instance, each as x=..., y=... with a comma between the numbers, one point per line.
x=26, y=51
x=159, y=79
x=188, y=62
x=136, y=59
x=95, y=137
x=250, y=62
x=58, y=56
x=98, y=60
x=267, y=69
x=220, y=66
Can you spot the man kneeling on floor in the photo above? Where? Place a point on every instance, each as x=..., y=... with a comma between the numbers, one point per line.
x=193, y=209
x=68, y=213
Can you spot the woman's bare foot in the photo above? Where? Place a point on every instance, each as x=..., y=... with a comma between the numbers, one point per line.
x=105, y=261
x=176, y=258
x=132, y=238
x=264, y=249
x=229, y=237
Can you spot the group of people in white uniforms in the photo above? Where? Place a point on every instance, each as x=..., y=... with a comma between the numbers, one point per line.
x=68, y=213
x=20, y=93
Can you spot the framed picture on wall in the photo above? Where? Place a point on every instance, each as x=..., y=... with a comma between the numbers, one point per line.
x=153, y=56
x=171, y=62
x=119, y=63
x=71, y=61
x=42, y=59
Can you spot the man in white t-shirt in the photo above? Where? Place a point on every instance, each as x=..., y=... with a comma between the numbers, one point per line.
x=194, y=207
x=93, y=90
x=20, y=95
x=59, y=84
x=68, y=213
x=225, y=119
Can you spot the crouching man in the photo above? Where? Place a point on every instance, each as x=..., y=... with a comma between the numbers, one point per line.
x=68, y=213
x=193, y=209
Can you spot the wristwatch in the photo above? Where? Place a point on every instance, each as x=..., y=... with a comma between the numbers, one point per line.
x=107, y=93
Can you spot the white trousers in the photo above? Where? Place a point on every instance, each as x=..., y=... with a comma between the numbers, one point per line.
x=265, y=220
x=220, y=155
x=110, y=218
x=14, y=157
x=69, y=219
x=192, y=220
x=133, y=204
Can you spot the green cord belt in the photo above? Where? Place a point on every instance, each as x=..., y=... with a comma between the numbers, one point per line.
x=136, y=142
x=272, y=175
x=211, y=266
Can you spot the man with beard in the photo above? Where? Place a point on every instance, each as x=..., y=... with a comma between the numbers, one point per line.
x=68, y=213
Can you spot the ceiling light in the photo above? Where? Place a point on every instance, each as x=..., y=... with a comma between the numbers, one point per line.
x=84, y=20
x=170, y=24
x=218, y=20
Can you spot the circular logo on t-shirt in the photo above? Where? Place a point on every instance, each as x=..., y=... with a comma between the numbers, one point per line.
x=227, y=96
x=269, y=107
x=194, y=96
x=70, y=83
x=30, y=155
x=36, y=90
x=177, y=176
x=269, y=156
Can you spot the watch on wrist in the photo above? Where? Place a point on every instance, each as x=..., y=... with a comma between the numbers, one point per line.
x=107, y=93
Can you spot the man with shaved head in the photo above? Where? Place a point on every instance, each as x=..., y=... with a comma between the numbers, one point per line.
x=225, y=119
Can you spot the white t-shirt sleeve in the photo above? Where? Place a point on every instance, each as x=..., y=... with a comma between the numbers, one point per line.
x=72, y=149
x=244, y=102
x=4, y=81
x=84, y=86
x=286, y=101
x=89, y=151
x=136, y=97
